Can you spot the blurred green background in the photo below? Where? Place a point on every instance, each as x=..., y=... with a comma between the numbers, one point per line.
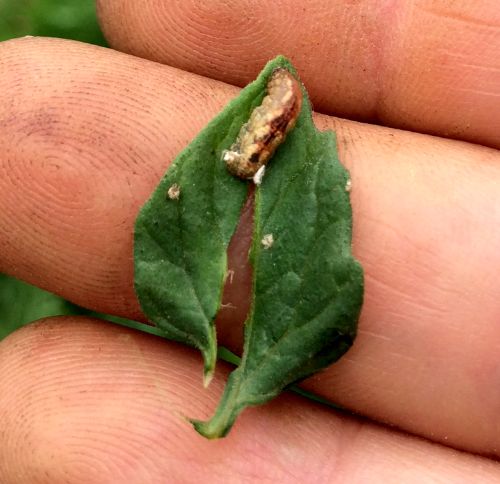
x=21, y=303
x=69, y=19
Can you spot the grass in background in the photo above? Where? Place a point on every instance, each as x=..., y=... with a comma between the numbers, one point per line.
x=21, y=303
x=68, y=19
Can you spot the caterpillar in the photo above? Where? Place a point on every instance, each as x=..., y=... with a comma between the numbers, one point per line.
x=267, y=126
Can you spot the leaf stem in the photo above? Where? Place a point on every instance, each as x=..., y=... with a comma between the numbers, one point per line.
x=227, y=411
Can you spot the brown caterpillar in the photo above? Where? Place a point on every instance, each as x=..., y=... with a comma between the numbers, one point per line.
x=267, y=126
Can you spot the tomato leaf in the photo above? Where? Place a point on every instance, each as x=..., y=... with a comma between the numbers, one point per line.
x=307, y=286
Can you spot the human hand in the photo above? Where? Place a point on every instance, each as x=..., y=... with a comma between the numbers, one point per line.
x=87, y=133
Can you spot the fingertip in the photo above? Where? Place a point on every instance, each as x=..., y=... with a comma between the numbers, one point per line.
x=430, y=69
x=86, y=401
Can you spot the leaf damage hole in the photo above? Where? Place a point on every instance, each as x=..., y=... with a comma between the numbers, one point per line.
x=237, y=292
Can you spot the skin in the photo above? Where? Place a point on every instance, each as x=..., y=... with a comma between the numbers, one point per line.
x=86, y=133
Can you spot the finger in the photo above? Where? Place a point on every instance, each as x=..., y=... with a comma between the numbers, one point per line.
x=82, y=401
x=87, y=133
x=425, y=66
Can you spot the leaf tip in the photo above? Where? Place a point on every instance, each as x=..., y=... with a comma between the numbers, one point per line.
x=207, y=377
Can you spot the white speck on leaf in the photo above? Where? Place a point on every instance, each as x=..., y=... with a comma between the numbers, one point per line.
x=267, y=241
x=348, y=186
x=259, y=175
x=174, y=192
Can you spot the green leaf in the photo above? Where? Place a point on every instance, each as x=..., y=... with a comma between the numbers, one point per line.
x=307, y=286
x=181, y=243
